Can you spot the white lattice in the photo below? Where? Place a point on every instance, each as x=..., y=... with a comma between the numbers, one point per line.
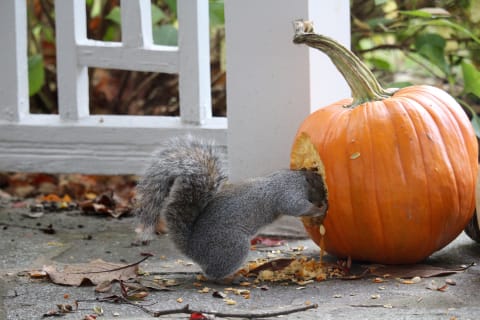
x=271, y=85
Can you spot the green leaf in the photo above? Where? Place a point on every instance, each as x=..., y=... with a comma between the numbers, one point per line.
x=471, y=79
x=476, y=124
x=448, y=24
x=157, y=14
x=172, y=5
x=96, y=8
x=217, y=15
x=36, y=74
x=400, y=84
x=381, y=64
x=111, y=33
x=475, y=120
x=115, y=15
x=475, y=11
x=165, y=35
x=432, y=47
x=427, y=13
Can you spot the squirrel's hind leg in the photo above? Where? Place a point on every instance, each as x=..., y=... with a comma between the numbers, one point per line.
x=224, y=258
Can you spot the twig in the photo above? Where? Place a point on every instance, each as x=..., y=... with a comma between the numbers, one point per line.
x=187, y=310
x=370, y=306
x=248, y=315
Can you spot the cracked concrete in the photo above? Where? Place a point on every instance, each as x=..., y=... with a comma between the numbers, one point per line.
x=81, y=238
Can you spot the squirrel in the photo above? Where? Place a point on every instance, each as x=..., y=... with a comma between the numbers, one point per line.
x=210, y=220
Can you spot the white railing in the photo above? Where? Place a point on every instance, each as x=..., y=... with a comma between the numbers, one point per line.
x=271, y=85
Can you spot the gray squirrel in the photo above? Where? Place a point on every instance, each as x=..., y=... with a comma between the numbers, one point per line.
x=211, y=220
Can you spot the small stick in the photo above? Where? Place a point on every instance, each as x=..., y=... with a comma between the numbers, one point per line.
x=248, y=315
x=187, y=310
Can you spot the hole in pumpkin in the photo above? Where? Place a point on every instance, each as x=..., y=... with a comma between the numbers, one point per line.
x=304, y=156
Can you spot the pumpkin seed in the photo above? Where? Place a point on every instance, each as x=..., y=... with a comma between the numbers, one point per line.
x=355, y=155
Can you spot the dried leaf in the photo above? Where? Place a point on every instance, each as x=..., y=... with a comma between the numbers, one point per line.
x=267, y=242
x=104, y=286
x=219, y=294
x=416, y=270
x=137, y=296
x=414, y=280
x=106, y=204
x=273, y=265
x=433, y=285
x=198, y=316
x=155, y=285
x=204, y=290
x=36, y=274
x=94, y=272
x=230, y=302
x=98, y=310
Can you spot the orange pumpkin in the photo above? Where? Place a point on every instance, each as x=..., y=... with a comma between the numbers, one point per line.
x=400, y=166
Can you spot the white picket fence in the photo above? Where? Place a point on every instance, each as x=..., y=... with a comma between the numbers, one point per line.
x=271, y=85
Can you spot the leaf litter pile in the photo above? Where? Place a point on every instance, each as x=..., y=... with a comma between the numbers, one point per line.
x=110, y=196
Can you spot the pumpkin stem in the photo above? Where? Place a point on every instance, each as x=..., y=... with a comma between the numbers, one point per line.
x=360, y=79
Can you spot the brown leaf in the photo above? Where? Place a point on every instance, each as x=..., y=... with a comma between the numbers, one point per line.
x=273, y=265
x=416, y=270
x=219, y=294
x=104, y=286
x=153, y=285
x=94, y=272
x=266, y=242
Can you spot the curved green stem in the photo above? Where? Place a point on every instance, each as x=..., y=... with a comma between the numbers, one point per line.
x=360, y=79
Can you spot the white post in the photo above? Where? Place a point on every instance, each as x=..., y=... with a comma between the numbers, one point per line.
x=14, y=76
x=136, y=23
x=72, y=78
x=272, y=84
x=194, y=64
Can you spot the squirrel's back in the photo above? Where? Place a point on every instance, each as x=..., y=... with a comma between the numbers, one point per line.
x=178, y=184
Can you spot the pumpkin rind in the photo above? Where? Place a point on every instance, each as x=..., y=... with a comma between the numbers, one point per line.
x=400, y=171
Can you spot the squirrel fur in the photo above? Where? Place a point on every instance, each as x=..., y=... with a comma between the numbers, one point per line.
x=211, y=220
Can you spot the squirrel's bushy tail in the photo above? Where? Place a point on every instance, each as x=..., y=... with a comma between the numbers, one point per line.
x=177, y=185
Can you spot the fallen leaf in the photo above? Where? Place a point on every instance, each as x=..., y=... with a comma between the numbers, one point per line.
x=94, y=272
x=104, y=286
x=416, y=270
x=35, y=274
x=61, y=310
x=433, y=285
x=219, y=294
x=156, y=285
x=266, y=242
x=106, y=204
x=198, y=316
x=98, y=310
x=230, y=302
x=137, y=296
x=273, y=265
x=204, y=290
x=414, y=280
